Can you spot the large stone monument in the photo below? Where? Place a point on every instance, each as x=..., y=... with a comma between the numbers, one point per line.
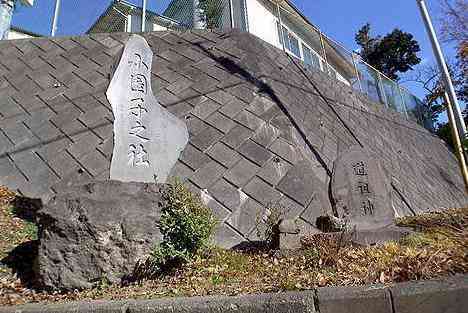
x=148, y=139
x=361, y=190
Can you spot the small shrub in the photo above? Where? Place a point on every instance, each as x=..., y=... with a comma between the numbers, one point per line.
x=186, y=226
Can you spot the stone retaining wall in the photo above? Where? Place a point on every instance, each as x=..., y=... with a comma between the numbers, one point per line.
x=262, y=127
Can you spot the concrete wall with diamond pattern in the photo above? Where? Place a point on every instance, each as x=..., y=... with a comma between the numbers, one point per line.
x=263, y=128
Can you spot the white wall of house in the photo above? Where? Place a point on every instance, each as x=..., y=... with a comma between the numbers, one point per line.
x=12, y=34
x=134, y=24
x=263, y=21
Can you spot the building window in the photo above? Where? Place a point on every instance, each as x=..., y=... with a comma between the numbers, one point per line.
x=291, y=43
x=280, y=34
x=310, y=57
x=294, y=45
x=286, y=39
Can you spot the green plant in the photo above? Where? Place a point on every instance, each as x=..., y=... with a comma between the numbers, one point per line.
x=186, y=226
x=211, y=12
x=397, y=52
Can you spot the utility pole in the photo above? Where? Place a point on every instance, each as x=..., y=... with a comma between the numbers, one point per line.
x=143, y=16
x=55, y=20
x=443, y=69
x=457, y=142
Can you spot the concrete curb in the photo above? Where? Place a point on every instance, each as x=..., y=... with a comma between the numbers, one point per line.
x=448, y=295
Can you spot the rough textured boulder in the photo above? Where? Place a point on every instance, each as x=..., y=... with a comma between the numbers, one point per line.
x=97, y=232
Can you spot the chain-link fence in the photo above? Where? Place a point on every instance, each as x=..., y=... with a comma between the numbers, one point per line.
x=277, y=22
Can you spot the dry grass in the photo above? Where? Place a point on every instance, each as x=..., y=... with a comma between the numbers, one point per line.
x=438, y=248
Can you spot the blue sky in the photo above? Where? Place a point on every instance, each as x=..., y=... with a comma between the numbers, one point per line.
x=339, y=19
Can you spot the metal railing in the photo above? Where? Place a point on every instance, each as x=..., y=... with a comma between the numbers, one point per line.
x=296, y=35
x=358, y=74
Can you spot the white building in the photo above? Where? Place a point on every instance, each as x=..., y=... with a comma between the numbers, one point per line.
x=259, y=17
x=122, y=16
x=19, y=33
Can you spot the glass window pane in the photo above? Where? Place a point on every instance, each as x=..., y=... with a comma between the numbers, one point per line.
x=286, y=38
x=280, y=37
x=315, y=60
x=294, y=43
x=307, y=55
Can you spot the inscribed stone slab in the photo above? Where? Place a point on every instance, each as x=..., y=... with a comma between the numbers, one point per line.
x=148, y=139
x=361, y=190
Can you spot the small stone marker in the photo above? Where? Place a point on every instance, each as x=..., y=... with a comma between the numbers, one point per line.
x=361, y=190
x=148, y=139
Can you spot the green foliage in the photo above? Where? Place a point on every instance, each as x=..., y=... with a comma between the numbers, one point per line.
x=186, y=226
x=394, y=53
x=445, y=133
x=211, y=12
x=29, y=229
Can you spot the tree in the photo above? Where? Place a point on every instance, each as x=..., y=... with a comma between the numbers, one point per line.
x=392, y=54
x=444, y=132
x=454, y=22
x=211, y=12
x=429, y=78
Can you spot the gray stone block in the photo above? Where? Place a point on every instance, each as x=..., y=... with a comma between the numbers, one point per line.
x=205, y=176
x=446, y=295
x=274, y=170
x=354, y=300
x=221, y=122
x=193, y=157
x=228, y=194
x=205, y=109
x=255, y=152
x=260, y=105
x=236, y=136
x=285, y=150
x=249, y=120
x=266, y=134
x=262, y=192
x=194, y=124
x=301, y=184
x=206, y=138
x=244, y=218
x=242, y=172
x=227, y=237
x=223, y=154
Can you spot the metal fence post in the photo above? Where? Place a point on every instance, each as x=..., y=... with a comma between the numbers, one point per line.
x=55, y=18
x=357, y=71
x=403, y=102
x=324, y=52
x=231, y=12
x=143, y=16
x=278, y=10
x=443, y=68
x=383, y=96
